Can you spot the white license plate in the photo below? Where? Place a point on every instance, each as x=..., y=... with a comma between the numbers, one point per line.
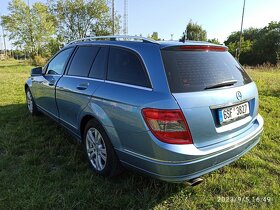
x=233, y=113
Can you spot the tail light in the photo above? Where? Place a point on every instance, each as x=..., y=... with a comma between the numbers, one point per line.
x=168, y=126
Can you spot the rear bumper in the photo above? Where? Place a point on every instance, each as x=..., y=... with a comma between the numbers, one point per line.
x=197, y=161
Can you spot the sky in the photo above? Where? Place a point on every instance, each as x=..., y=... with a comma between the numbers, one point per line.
x=218, y=17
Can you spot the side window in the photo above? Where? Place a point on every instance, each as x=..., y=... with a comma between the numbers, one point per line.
x=125, y=67
x=57, y=65
x=82, y=61
x=99, y=66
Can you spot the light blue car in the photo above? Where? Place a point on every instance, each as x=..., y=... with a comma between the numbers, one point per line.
x=172, y=110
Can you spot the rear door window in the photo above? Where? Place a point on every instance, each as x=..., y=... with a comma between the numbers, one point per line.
x=125, y=67
x=99, y=66
x=82, y=61
x=189, y=71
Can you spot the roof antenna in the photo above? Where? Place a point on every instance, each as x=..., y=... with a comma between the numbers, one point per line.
x=183, y=39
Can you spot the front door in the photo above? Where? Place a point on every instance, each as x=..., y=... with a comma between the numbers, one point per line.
x=45, y=84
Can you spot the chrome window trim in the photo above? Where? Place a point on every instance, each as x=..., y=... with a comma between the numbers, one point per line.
x=128, y=85
x=88, y=78
x=110, y=82
x=129, y=48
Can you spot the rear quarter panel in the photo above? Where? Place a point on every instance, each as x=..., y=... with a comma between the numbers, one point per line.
x=119, y=108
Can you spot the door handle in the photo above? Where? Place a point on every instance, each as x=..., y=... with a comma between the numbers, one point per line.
x=52, y=82
x=82, y=86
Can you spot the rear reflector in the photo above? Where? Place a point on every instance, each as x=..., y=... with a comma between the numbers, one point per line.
x=203, y=48
x=168, y=126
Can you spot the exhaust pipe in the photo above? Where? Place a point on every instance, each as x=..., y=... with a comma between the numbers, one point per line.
x=194, y=182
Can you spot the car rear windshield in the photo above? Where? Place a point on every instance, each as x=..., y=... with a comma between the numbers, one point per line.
x=189, y=71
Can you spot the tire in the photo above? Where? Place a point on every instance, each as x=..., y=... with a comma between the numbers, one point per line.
x=99, y=150
x=32, y=108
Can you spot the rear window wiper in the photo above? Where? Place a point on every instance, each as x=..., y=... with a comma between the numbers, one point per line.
x=221, y=84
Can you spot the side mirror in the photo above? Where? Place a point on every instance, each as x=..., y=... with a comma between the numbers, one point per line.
x=38, y=71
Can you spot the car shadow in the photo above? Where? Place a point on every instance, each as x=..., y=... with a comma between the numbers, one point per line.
x=49, y=155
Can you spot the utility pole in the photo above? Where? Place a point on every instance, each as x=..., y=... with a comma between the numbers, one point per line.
x=29, y=20
x=4, y=37
x=4, y=40
x=125, y=18
x=240, y=39
x=113, y=17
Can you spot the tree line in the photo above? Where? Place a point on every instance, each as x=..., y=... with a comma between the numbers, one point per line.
x=259, y=45
x=43, y=28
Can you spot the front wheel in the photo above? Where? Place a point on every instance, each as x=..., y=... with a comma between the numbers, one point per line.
x=30, y=103
x=99, y=151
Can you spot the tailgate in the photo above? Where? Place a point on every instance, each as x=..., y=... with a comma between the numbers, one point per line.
x=218, y=98
x=201, y=110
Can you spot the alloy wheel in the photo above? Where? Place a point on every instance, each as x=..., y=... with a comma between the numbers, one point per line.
x=29, y=101
x=96, y=149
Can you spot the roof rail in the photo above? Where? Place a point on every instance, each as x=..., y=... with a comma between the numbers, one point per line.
x=114, y=38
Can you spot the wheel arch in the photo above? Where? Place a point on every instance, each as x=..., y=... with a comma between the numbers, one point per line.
x=85, y=119
x=26, y=86
x=109, y=129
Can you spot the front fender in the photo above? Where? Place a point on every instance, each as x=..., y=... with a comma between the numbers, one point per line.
x=28, y=84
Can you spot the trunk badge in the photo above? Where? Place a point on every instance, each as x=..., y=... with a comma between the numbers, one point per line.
x=238, y=95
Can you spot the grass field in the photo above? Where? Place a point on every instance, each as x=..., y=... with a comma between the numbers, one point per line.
x=41, y=167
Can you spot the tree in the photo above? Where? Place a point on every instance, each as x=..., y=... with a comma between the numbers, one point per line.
x=214, y=41
x=80, y=18
x=154, y=36
x=194, y=32
x=267, y=47
x=29, y=28
x=246, y=56
x=258, y=46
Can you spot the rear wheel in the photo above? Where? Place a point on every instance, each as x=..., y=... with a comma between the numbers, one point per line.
x=99, y=151
x=30, y=103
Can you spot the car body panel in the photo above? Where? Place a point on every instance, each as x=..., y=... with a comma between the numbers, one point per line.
x=43, y=89
x=72, y=96
x=123, y=107
x=200, y=110
x=118, y=108
x=187, y=161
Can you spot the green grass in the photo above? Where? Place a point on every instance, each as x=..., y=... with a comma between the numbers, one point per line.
x=41, y=166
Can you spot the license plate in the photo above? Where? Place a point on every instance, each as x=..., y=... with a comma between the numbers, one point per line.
x=233, y=113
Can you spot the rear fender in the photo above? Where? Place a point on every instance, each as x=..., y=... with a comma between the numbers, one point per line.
x=92, y=109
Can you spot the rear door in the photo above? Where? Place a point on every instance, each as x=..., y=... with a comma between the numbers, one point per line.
x=45, y=84
x=217, y=97
x=126, y=89
x=85, y=74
